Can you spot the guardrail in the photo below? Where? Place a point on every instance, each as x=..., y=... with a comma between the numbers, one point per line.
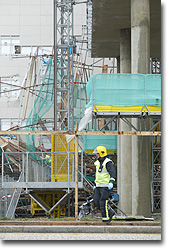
x=37, y=172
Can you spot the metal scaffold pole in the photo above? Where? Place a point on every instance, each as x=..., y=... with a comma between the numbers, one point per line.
x=63, y=64
x=63, y=84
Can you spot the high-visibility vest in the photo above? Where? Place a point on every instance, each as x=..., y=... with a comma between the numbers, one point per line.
x=103, y=177
x=48, y=159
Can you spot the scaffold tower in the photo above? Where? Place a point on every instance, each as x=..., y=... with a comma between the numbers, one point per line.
x=63, y=64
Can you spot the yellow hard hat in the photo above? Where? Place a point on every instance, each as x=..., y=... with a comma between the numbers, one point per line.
x=101, y=150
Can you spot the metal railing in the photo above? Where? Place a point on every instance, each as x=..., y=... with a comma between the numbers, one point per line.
x=37, y=172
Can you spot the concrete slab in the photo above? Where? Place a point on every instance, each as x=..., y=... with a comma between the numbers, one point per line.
x=110, y=16
x=80, y=229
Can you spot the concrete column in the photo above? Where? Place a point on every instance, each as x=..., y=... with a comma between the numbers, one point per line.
x=125, y=170
x=140, y=55
x=141, y=172
x=124, y=142
x=118, y=64
x=140, y=36
x=125, y=51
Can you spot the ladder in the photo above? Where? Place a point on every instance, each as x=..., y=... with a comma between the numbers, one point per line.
x=14, y=201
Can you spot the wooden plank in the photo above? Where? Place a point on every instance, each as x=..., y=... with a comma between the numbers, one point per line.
x=3, y=142
x=24, y=132
x=64, y=132
x=76, y=171
x=28, y=88
x=13, y=160
x=138, y=133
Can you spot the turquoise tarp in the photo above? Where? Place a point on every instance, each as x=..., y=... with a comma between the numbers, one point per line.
x=124, y=89
x=92, y=141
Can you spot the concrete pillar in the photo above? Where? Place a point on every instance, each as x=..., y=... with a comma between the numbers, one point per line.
x=124, y=142
x=118, y=64
x=141, y=172
x=140, y=55
x=125, y=170
x=140, y=36
x=125, y=51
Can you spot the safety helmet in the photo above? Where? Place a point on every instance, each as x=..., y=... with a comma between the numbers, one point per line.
x=101, y=150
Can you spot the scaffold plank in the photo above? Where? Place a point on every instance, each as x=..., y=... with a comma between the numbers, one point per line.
x=64, y=132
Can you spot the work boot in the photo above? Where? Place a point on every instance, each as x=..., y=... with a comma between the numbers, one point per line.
x=111, y=214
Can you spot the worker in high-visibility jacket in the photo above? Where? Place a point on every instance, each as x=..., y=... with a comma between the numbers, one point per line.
x=104, y=180
x=48, y=159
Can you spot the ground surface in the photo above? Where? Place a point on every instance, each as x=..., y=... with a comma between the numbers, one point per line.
x=78, y=236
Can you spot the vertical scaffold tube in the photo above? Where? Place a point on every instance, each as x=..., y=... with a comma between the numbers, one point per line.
x=76, y=171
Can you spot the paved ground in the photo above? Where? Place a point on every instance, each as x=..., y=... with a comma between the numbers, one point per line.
x=78, y=230
x=78, y=236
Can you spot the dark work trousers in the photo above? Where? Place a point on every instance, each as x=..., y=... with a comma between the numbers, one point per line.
x=100, y=199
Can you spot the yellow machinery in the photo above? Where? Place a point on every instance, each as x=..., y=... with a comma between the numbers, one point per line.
x=59, y=173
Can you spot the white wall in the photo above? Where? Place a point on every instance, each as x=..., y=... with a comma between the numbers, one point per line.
x=31, y=19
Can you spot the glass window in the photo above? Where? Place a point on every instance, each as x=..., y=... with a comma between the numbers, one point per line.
x=8, y=45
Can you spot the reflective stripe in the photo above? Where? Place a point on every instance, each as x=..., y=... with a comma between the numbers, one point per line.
x=103, y=171
x=112, y=179
x=101, y=184
x=107, y=213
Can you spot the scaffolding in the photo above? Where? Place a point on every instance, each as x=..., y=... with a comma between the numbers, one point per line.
x=156, y=169
x=65, y=84
x=63, y=64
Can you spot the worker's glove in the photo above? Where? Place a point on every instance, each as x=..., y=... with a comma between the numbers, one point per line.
x=94, y=187
x=110, y=185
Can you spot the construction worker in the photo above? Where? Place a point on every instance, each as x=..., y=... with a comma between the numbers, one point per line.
x=48, y=159
x=104, y=180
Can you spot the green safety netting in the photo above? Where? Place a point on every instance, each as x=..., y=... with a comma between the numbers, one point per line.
x=153, y=90
x=90, y=142
x=102, y=89
x=43, y=103
x=124, y=89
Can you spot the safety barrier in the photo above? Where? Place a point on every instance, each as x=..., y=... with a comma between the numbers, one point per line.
x=37, y=174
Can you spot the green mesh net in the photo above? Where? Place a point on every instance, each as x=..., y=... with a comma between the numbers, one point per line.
x=90, y=142
x=43, y=103
x=101, y=89
x=124, y=89
x=153, y=90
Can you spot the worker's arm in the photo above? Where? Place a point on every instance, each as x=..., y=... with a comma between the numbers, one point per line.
x=111, y=170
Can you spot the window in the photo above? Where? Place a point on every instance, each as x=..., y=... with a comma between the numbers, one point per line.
x=8, y=45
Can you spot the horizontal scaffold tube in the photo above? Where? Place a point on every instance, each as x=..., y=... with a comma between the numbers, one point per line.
x=64, y=132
